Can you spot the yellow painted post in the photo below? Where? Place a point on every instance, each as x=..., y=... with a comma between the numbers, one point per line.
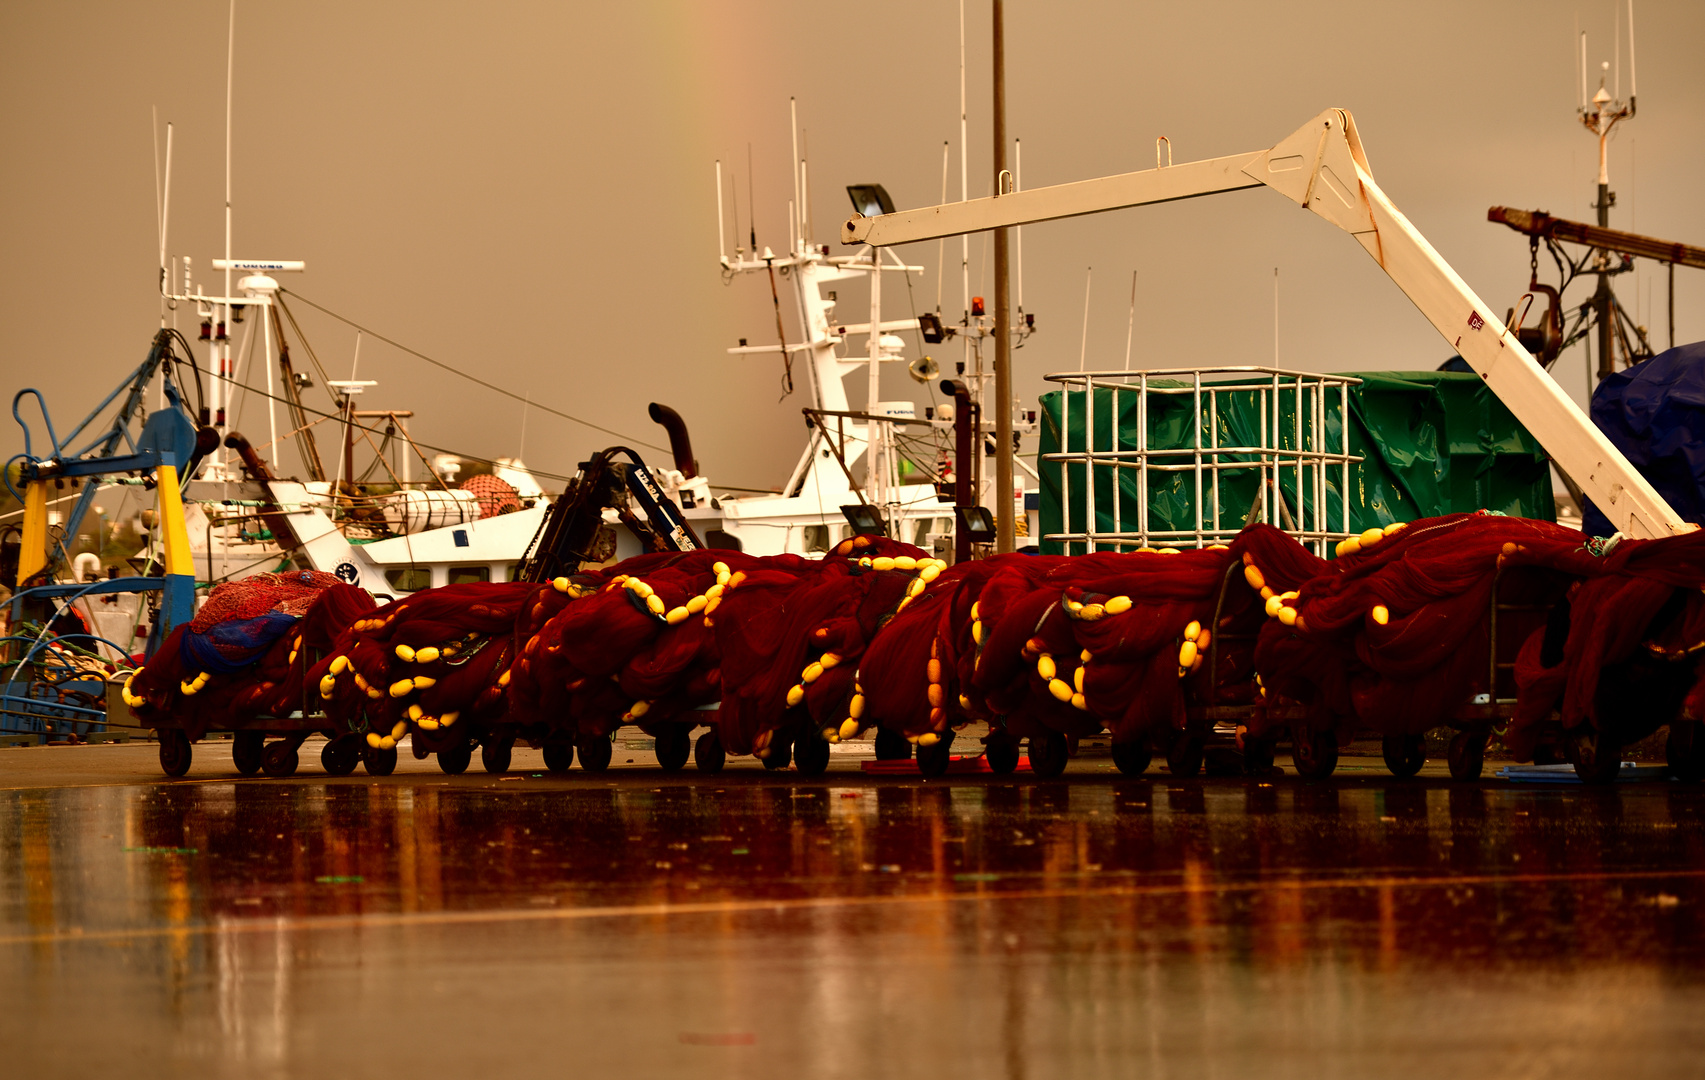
x=178, y=559
x=32, y=555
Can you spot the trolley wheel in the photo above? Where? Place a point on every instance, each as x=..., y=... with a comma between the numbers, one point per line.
x=246, y=748
x=1001, y=751
x=1404, y=754
x=1184, y=754
x=595, y=752
x=379, y=762
x=559, y=756
x=495, y=752
x=340, y=756
x=279, y=759
x=175, y=752
x=453, y=759
x=1314, y=754
x=1048, y=754
x=1257, y=756
x=892, y=746
x=811, y=755
x=675, y=746
x=708, y=753
x=1596, y=757
x=933, y=760
x=1467, y=756
x=1133, y=758
x=781, y=752
x=1685, y=751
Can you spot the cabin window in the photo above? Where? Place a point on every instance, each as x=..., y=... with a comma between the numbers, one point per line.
x=467, y=575
x=816, y=538
x=409, y=579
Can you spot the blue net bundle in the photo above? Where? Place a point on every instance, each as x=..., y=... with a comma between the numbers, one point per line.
x=240, y=658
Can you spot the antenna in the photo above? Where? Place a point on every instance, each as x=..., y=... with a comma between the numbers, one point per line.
x=733, y=202
x=721, y=252
x=941, y=245
x=1633, y=88
x=805, y=183
x=1131, y=326
x=1616, y=83
x=1275, y=316
x=1083, y=349
x=1018, y=233
x=751, y=202
x=796, y=207
x=1583, y=72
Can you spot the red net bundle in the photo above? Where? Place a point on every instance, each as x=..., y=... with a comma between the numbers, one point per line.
x=793, y=632
x=1006, y=639
x=1620, y=653
x=1394, y=634
x=425, y=662
x=627, y=645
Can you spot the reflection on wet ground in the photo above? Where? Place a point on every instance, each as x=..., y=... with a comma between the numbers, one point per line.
x=751, y=924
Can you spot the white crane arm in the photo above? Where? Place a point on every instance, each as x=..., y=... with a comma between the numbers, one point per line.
x=1322, y=168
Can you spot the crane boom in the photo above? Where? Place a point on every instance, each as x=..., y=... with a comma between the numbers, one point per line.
x=1322, y=168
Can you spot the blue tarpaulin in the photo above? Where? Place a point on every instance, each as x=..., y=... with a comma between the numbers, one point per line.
x=1655, y=414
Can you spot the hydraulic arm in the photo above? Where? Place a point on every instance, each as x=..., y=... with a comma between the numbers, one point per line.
x=1322, y=168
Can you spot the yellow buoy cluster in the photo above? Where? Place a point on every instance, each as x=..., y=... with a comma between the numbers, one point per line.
x=1368, y=538
x=135, y=701
x=1194, y=647
x=927, y=570
x=1279, y=606
x=193, y=686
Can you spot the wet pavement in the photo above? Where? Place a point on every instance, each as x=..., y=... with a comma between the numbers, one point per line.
x=752, y=924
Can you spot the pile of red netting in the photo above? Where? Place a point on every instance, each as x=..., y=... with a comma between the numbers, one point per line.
x=1401, y=633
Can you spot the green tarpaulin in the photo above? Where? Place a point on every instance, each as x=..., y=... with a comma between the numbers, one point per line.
x=1431, y=443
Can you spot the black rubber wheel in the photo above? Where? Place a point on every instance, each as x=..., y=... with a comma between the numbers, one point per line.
x=559, y=756
x=708, y=753
x=1467, y=756
x=279, y=759
x=892, y=746
x=454, y=760
x=811, y=755
x=379, y=762
x=175, y=752
x=341, y=755
x=1257, y=756
x=674, y=746
x=1048, y=755
x=934, y=760
x=1404, y=754
x=781, y=752
x=595, y=752
x=1685, y=751
x=495, y=753
x=1596, y=757
x=1002, y=752
x=1314, y=754
x=1133, y=758
x=1184, y=754
x=246, y=748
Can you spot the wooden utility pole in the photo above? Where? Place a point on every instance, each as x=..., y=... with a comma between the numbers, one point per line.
x=1005, y=528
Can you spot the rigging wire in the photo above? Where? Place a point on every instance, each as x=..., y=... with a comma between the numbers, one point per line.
x=471, y=378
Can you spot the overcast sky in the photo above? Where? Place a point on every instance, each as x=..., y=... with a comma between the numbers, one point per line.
x=525, y=190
